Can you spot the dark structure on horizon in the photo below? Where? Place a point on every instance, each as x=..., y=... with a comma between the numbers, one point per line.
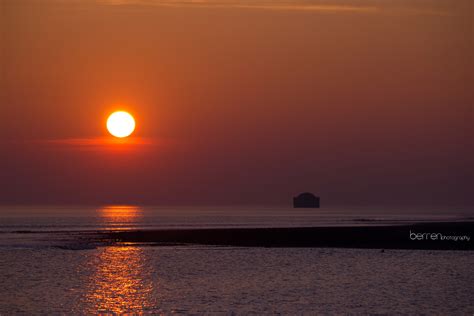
x=306, y=200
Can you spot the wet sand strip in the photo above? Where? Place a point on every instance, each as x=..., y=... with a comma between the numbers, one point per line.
x=435, y=236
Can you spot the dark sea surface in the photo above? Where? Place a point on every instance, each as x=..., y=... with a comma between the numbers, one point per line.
x=49, y=266
x=82, y=218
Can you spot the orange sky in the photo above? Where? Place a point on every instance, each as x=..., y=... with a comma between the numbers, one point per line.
x=362, y=102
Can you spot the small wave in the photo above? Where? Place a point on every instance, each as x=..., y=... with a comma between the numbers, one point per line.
x=82, y=246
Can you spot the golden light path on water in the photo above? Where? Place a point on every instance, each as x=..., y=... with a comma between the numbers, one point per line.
x=120, y=217
x=119, y=282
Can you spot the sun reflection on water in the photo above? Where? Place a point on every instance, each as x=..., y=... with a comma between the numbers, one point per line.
x=120, y=282
x=119, y=217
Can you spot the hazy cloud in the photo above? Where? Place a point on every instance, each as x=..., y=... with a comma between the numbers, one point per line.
x=96, y=143
x=295, y=5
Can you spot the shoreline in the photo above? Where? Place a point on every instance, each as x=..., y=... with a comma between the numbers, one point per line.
x=429, y=236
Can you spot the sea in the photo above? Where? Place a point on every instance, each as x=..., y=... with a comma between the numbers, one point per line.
x=48, y=265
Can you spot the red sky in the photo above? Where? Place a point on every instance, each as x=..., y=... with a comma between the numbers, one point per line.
x=237, y=102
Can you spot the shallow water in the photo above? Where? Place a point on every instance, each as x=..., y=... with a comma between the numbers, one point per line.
x=83, y=218
x=242, y=280
x=40, y=274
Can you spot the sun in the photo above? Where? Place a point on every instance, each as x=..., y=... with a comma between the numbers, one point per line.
x=120, y=124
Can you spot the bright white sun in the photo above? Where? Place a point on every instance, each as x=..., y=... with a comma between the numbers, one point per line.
x=120, y=124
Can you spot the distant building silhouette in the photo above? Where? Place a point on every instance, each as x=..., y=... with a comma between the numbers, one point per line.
x=306, y=199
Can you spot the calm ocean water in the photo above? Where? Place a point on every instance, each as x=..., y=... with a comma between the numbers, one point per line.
x=41, y=274
x=79, y=218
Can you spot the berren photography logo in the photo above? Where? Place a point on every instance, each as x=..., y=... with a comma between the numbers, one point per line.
x=438, y=236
